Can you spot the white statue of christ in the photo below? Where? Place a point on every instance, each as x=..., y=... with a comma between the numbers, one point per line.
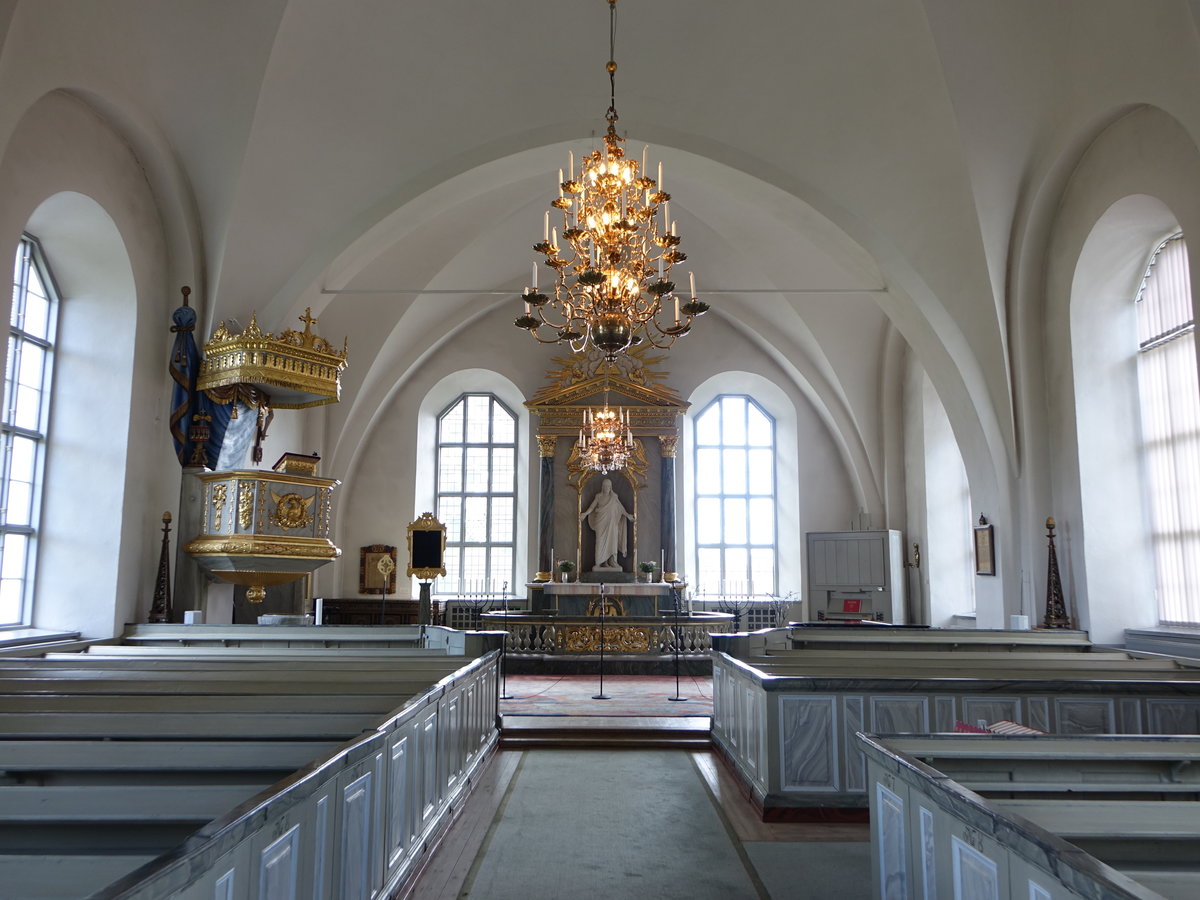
x=607, y=518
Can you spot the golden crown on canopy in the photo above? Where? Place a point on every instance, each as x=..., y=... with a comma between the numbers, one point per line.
x=298, y=369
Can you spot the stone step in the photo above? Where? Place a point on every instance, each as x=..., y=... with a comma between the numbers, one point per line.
x=610, y=732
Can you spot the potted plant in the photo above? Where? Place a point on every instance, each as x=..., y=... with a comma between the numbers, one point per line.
x=566, y=567
x=647, y=570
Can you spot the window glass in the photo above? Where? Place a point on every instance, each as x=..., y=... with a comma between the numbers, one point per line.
x=734, y=500
x=476, y=494
x=1169, y=395
x=23, y=426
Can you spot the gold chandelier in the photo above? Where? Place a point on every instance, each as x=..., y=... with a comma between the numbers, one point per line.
x=611, y=277
x=605, y=440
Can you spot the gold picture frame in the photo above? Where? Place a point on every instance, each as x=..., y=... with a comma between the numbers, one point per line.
x=426, y=548
x=371, y=578
x=985, y=548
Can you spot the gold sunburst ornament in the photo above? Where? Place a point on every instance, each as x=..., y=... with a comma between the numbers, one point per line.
x=612, y=273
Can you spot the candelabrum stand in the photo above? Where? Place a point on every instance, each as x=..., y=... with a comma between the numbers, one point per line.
x=603, y=605
x=677, y=698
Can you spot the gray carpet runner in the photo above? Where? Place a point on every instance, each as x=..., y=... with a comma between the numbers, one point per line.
x=595, y=823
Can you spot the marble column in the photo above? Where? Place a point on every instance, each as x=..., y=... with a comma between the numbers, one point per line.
x=546, y=445
x=666, y=443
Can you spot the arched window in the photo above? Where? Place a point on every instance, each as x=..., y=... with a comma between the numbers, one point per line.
x=735, y=498
x=477, y=493
x=1170, y=403
x=23, y=427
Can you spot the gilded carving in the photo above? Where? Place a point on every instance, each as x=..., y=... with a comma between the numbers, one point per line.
x=667, y=444
x=326, y=510
x=292, y=510
x=219, y=496
x=546, y=444
x=617, y=639
x=246, y=506
x=304, y=548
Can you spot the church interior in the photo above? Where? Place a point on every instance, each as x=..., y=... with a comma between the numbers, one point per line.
x=918, y=301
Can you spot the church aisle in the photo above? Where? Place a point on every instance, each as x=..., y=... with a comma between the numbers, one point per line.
x=631, y=823
x=586, y=823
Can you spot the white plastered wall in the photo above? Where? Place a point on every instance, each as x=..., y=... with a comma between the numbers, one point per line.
x=1140, y=177
x=72, y=181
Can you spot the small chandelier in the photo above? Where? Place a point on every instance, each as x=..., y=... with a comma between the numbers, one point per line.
x=612, y=277
x=605, y=440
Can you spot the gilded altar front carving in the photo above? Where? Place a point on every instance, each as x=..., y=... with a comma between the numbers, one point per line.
x=617, y=639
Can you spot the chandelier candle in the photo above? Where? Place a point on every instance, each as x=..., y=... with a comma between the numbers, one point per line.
x=615, y=238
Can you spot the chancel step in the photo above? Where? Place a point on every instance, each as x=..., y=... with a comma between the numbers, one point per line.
x=609, y=732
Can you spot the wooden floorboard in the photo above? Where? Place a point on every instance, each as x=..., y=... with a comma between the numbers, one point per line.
x=445, y=874
x=745, y=820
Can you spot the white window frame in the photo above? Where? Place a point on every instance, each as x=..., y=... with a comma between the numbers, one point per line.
x=29, y=256
x=493, y=582
x=734, y=583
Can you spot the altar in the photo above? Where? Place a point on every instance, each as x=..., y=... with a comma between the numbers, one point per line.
x=630, y=599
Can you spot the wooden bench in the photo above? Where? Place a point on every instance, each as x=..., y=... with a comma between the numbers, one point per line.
x=1130, y=803
x=786, y=715
x=113, y=756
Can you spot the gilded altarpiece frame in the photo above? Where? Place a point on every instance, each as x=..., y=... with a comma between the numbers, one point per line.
x=632, y=382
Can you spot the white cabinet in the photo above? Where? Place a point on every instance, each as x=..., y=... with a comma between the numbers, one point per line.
x=855, y=575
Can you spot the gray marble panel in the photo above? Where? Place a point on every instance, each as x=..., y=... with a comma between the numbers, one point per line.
x=1039, y=713
x=355, y=862
x=1093, y=716
x=856, y=762
x=928, y=860
x=987, y=710
x=944, y=713
x=808, y=743
x=900, y=715
x=320, y=847
x=750, y=718
x=1173, y=716
x=1131, y=715
x=892, y=842
x=279, y=867
x=223, y=889
x=975, y=875
x=398, y=801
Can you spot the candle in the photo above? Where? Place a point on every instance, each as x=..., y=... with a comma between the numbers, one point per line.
x=554, y=233
x=676, y=309
x=660, y=269
x=534, y=276
x=673, y=224
x=691, y=277
x=546, y=227
x=660, y=187
x=645, y=147
x=572, y=165
x=527, y=310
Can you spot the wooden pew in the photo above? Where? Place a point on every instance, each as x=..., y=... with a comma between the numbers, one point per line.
x=110, y=757
x=1128, y=802
x=786, y=715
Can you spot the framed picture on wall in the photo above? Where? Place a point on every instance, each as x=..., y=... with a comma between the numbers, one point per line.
x=371, y=578
x=985, y=549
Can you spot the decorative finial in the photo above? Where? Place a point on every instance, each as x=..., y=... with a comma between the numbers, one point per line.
x=187, y=292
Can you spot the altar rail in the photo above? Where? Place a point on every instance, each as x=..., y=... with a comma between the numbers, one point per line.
x=786, y=718
x=991, y=816
x=122, y=752
x=563, y=635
